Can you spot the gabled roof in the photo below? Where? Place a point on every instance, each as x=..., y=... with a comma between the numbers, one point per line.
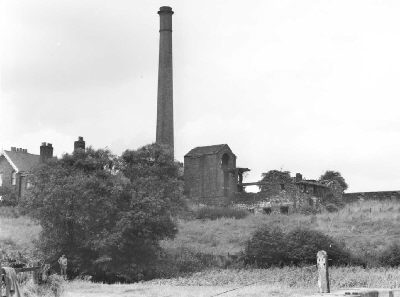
x=21, y=161
x=207, y=150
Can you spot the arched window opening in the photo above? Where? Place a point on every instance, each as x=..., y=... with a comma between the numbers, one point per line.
x=225, y=161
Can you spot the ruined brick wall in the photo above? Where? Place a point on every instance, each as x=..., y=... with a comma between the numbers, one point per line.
x=381, y=195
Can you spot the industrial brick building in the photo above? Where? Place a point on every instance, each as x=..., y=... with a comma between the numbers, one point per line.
x=210, y=174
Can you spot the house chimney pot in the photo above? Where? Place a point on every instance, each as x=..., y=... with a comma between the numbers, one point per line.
x=299, y=177
x=46, y=152
x=79, y=144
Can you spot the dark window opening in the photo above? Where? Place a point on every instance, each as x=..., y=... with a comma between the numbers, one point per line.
x=267, y=210
x=282, y=186
x=284, y=209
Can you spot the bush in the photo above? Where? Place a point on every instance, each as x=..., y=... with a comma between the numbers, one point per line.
x=308, y=210
x=303, y=244
x=266, y=248
x=53, y=288
x=8, y=197
x=391, y=255
x=331, y=208
x=271, y=246
x=213, y=213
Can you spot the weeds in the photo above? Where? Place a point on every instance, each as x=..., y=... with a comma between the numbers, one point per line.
x=213, y=213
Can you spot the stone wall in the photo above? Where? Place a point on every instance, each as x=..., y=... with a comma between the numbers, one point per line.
x=381, y=195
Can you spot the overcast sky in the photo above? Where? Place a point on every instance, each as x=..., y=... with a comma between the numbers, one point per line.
x=303, y=86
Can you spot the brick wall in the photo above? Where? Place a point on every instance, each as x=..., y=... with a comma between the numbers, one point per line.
x=205, y=178
x=6, y=170
x=381, y=195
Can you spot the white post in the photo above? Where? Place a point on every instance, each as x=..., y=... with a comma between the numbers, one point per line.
x=323, y=275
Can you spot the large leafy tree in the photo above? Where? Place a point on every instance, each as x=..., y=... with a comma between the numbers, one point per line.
x=107, y=214
x=334, y=175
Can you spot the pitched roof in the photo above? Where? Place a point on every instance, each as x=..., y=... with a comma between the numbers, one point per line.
x=23, y=161
x=206, y=150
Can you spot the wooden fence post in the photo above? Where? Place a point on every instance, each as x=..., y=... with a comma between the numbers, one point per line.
x=35, y=274
x=323, y=275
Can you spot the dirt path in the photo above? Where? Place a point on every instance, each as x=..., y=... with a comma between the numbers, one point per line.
x=86, y=289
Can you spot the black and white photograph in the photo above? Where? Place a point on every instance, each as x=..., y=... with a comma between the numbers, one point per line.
x=199, y=148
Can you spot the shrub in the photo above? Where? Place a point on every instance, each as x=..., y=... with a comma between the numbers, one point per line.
x=391, y=255
x=331, y=208
x=266, y=247
x=213, y=213
x=53, y=288
x=308, y=210
x=8, y=197
x=303, y=244
x=271, y=246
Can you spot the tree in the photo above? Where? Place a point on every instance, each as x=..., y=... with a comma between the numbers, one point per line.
x=109, y=225
x=8, y=196
x=334, y=175
x=274, y=177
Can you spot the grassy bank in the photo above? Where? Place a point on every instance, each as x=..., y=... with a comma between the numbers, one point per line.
x=366, y=227
x=17, y=233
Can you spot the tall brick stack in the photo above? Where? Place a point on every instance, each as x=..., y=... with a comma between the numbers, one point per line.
x=165, y=116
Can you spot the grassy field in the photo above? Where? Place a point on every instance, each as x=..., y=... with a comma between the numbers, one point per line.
x=365, y=227
x=16, y=232
x=288, y=281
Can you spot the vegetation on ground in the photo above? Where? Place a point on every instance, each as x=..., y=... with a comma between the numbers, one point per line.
x=107, y=214
x=271, y=246
x=280, y=282
x=54, y=287
x=213, y=213
x=366, y=228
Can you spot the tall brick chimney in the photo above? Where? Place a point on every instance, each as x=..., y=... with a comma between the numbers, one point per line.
x=79, y=144
x=165, y=115
x=46, y=151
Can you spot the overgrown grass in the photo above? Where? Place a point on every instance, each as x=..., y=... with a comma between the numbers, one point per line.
x=17, y=233
x=365, y=227
x=53, y=288
x=213, y=213
x=288, y=281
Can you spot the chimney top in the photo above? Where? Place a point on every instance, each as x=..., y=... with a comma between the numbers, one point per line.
x=165, y=9
x=49, y=145
x=79, y=144
x=43, y=143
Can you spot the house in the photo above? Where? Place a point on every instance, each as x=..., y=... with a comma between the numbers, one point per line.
x=17, y=164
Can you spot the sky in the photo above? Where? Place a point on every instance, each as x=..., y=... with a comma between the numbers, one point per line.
x=303, y=86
